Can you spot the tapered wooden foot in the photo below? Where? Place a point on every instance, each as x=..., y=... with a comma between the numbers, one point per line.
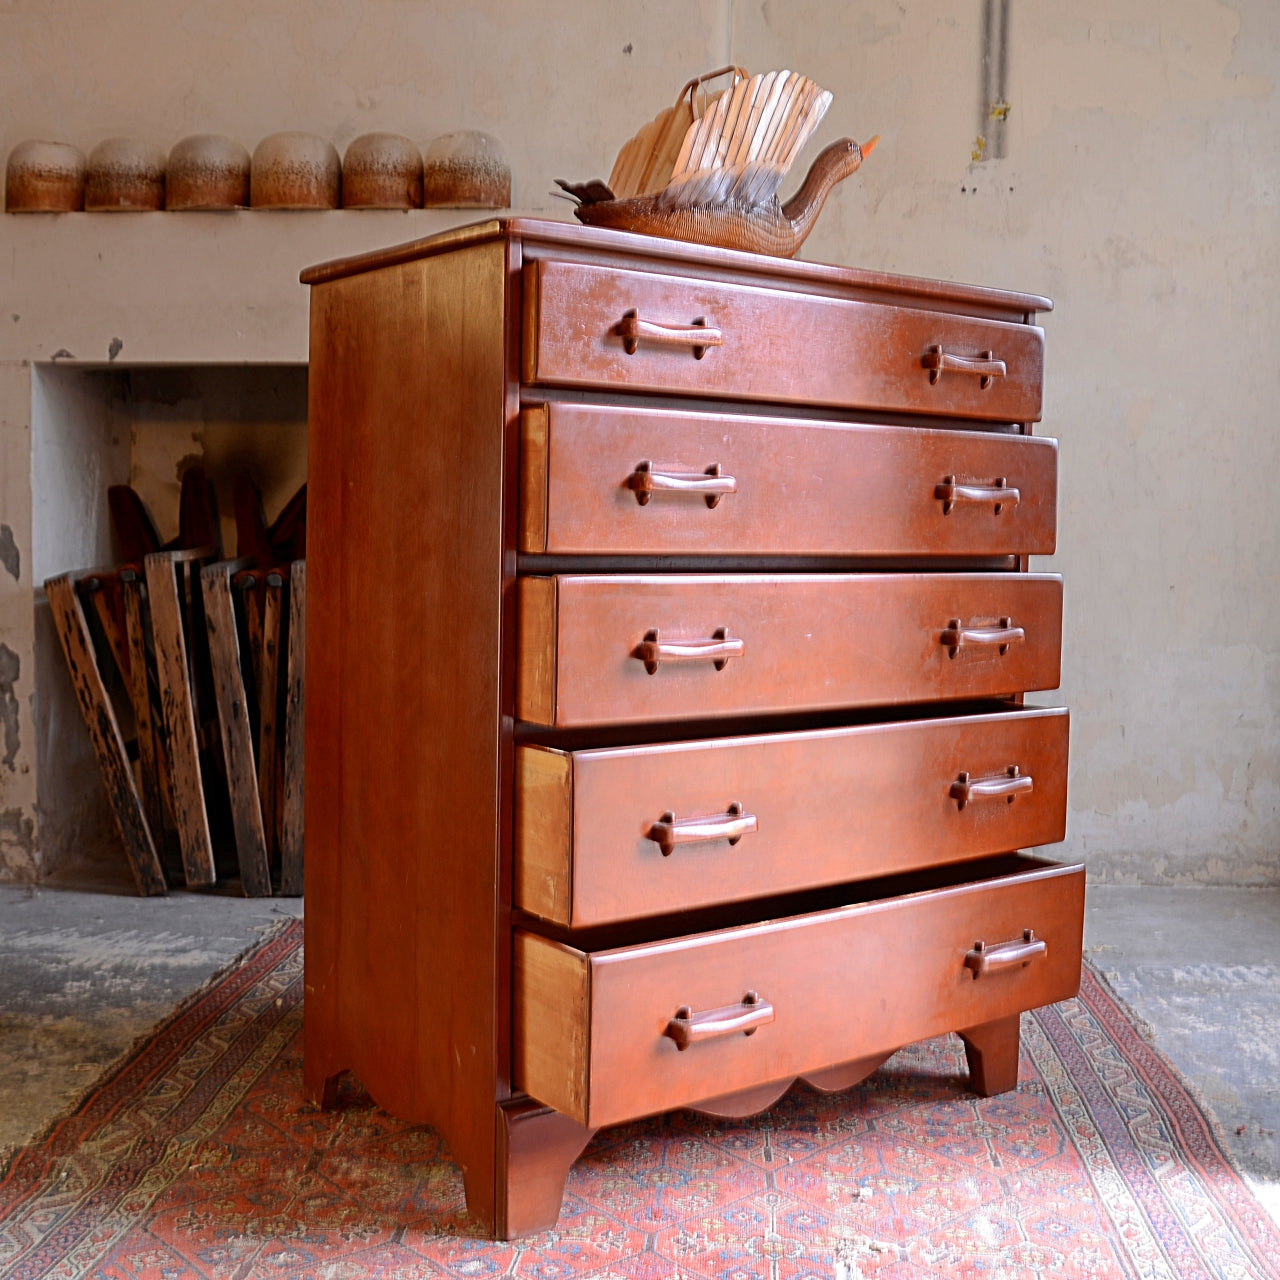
x=992, y=1052
x=536, y=1148
x=321, y=1090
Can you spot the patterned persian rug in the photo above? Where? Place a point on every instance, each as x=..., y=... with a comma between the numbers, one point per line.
x=198, y=1158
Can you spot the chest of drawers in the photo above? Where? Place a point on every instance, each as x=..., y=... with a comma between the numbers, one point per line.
x=669, y=624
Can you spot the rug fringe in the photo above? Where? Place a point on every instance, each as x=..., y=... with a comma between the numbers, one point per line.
x=1140, y=1024
x=1217, y=1130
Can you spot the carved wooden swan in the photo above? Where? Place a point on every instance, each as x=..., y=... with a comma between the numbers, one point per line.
x=714, y=179
x=773, y=228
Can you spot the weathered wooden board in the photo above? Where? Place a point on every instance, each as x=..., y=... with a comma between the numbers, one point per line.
x=104, y=731
x=268, y=702
x=172, y=670
x=291, y=791
x=140, y=697
x=102, y=590
x=237, y=737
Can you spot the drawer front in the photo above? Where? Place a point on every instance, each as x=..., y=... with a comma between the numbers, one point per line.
x=641, y=481
x=622, y=833
x=592, y=1029
x=772, y=345
x=603, y=648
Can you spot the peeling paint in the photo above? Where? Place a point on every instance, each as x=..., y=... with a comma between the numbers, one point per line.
x=10, y=666
x=17, y=843
x=10, y=557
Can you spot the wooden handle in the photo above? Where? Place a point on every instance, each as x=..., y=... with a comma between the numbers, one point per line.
x=739, y=73
x=999, y=786
x=719, y=648
x=952, y=491
x=985, y=365
x=644, y=482
x=669, y=831
x=750, y=1012
x=1003, y=634
x=697, y=336
x=983, y=959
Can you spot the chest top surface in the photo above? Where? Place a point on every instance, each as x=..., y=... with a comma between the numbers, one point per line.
x=543, y=238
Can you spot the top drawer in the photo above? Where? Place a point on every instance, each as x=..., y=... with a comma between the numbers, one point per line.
x=605, y=327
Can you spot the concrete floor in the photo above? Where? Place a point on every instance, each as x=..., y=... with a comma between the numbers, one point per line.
x=85, y=970
x=1201, y=966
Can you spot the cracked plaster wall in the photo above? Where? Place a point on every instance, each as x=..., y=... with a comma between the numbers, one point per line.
x=1137, y=187
x=18, y=851
x=1139, y=191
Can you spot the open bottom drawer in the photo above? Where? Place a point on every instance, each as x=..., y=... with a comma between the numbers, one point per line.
x=597, y=1032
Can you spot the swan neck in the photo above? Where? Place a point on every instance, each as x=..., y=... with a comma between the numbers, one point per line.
x=833, y=165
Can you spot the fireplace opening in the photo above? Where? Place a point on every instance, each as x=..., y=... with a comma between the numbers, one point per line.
x=145, y=426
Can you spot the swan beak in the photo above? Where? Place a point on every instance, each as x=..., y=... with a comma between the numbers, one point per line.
x=868, y=147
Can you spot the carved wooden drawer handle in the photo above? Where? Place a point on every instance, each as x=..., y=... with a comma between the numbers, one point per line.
x=983, y=959
x=644, y=482
x=697, y=337
x=719, y=649
x=669, y=831
x=688, y=1028
x=952, y=491
x=998, y=786
x=985, y=365
x=955, y=636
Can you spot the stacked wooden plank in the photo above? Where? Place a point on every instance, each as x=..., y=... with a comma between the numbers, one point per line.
x=208, y=653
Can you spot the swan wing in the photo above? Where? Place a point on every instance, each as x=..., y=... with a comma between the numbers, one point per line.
x=741, y=149
x=645, y=163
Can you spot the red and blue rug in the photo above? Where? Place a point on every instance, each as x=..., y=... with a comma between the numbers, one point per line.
x=198, y=1158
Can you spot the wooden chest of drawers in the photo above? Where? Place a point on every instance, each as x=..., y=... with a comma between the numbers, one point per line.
x=669, y=627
